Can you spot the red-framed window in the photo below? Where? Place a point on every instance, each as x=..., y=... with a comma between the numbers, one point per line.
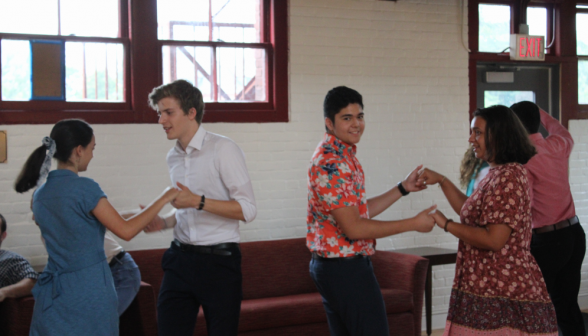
x=260, y=99
x=496, y=20
x=561, y=29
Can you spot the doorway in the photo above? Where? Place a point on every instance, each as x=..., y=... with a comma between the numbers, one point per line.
x=508, y=83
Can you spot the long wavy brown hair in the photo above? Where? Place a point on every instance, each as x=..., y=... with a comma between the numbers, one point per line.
x=469, y=166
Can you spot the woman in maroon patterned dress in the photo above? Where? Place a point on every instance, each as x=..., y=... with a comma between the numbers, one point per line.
x=498, y=288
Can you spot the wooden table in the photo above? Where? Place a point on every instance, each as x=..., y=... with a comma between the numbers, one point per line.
x=436, y=256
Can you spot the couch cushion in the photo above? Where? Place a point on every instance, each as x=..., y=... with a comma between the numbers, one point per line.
x=302, y=309
x=397, y=301
x=276, y=268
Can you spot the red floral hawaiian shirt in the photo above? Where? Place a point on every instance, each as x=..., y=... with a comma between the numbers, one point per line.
x=335, y=180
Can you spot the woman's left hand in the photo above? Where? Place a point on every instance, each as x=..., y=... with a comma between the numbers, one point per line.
x=428, y=177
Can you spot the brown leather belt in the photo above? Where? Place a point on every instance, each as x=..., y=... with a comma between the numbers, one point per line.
x=559, y=225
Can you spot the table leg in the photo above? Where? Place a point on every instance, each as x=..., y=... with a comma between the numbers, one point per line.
x=428, y=295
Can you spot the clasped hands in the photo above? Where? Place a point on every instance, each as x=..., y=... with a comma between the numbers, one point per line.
x=419, y=179
x=183, y=199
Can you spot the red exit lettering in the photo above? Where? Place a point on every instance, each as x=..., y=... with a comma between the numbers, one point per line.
x=529, y=47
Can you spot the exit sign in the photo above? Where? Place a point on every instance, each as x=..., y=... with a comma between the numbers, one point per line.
x=527, y=48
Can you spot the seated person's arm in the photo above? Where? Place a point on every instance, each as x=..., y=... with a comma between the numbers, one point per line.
x=19, y=289
x=356, y=227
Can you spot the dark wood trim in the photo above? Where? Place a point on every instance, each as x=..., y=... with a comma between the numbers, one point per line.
x=473, y=74
x=215, y=44
x=143, y=72
x=8, y=36
x=279, y=38
x=52, y=116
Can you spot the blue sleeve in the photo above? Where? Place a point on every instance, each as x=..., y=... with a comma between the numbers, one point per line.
x=92, y=193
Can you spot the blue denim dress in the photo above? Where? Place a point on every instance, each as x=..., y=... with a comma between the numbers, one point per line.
x=75, y=293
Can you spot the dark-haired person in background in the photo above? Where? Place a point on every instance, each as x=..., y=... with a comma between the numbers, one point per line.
x=17, y=277
x=498, y=288
x=75, y=293
x=341, y=234
x=559, y=242
x=203, y=265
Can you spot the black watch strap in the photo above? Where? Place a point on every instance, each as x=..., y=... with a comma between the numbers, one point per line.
x=202, y=199
x=402, y=190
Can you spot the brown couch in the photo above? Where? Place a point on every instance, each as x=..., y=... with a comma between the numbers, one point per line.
x=279, y=297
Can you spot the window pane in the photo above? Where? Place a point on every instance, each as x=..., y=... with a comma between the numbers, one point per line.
x=507, y=98
x=16, y=70
x=183, y=20
x=236, y=20
x=583, y=82
x=193, y=64
x=582, y=33
x=494, y=29
x=94, y=71
x=29, y=17
x=189, y=20
x=537, y=21
x=241, y=74
x=90, y=18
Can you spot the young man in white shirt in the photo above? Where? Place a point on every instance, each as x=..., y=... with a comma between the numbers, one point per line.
x=203, y=265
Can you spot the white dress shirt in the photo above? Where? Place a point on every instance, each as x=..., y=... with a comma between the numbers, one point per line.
x=111, y=246
x=214, y=166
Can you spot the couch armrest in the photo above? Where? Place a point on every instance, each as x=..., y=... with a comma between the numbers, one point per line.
x=140, y=318
x=403, y=271
x=16, y=316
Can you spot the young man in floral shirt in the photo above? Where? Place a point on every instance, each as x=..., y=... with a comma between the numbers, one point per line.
x=341, y=234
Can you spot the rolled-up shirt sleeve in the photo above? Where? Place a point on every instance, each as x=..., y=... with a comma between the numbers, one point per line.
x=235, y=177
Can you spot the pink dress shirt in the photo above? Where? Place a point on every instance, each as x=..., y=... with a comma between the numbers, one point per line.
x=548, y=174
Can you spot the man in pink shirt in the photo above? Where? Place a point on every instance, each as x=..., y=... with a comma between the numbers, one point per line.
x=558, y=242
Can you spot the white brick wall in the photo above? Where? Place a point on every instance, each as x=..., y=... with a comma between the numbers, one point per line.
x=407, y=60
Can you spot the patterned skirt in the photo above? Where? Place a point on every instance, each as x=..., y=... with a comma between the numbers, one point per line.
x=470, y=314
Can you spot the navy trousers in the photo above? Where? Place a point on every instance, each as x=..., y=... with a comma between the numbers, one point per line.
x=192, y=280
x=560, y=254
x=351, y=296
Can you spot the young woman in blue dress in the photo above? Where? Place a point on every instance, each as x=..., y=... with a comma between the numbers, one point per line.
x=75, y=294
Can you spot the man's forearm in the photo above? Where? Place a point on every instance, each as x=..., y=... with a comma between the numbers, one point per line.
x=228, y=209
x=380, y=203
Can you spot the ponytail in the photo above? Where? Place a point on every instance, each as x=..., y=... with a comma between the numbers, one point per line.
x=29, y=175
x=65, y=136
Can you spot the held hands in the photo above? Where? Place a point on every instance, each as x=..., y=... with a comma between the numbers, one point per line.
x=185, y=198
x=171, y=193
x=440, y=219
x=428, y=177
x=425, y=220
x=410, y=183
